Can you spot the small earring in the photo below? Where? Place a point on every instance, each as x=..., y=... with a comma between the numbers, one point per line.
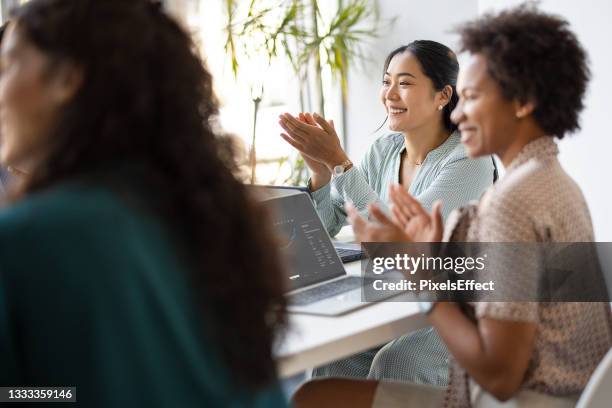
x=440, y=107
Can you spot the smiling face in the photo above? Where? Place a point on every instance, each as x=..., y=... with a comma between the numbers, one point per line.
x=408, y=94
x=30, y=99
x=486, y=120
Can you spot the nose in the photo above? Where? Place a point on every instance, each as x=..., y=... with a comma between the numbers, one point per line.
x=457, y=115
x=391, y=93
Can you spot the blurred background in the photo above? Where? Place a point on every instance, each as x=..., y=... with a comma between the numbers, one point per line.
x=275, y=56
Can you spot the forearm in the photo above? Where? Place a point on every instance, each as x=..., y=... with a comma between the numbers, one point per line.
x=460, y=335
x=350, y=187
x=319, y=180
x=498, y=369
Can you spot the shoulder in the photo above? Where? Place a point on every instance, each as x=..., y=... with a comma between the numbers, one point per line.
x=381, y=151
x=64, y=204
x=456, y=154
x=543, y=198
x=387, y=143
x=59, y=216
x=533, y=181
x=480, y=170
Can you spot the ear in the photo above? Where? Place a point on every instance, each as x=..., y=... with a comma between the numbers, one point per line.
x=66, y=81
x=523, y=109
x=443, y=97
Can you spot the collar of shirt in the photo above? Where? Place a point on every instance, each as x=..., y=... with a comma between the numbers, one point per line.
x=541, y=148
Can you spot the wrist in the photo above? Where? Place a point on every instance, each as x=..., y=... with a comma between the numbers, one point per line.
x=427, y=307
x=318, y=180
x=336, y=160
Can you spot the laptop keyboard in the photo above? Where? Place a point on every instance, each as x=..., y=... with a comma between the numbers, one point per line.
x=328, y=290
x=349, y=255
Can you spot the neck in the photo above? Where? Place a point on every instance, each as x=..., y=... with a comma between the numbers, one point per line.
x=527, y=132
x=420, y=141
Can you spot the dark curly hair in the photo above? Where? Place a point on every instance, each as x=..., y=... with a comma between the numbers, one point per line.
x=147, y=98
x=439, y=64
x=534, y=57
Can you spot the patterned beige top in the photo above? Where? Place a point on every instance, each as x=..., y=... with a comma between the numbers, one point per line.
x=536, y=201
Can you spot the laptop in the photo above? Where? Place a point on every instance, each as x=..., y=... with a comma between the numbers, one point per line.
x=317, y=281
x=348, y=252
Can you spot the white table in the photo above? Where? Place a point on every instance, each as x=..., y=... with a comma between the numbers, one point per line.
x=316, y=340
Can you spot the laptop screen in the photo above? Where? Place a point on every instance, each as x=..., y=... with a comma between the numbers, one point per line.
x=307, y=250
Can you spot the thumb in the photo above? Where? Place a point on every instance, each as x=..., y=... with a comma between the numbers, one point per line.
x=436, y=214
x=331, y=123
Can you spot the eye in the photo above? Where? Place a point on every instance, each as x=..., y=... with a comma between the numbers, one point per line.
x=386, y=82
x=405, y=83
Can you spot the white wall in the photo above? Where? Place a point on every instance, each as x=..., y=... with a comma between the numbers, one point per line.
x=416, y=20
x=586, y=156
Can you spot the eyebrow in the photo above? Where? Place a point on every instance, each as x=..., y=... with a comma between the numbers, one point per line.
x=402, y=74
x=467, y=89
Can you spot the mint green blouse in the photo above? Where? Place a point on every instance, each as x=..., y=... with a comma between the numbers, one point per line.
x=446, y=174
x=93, y=295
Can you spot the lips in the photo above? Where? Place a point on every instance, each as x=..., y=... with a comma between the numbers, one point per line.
x=466, y=134
x=395, y=110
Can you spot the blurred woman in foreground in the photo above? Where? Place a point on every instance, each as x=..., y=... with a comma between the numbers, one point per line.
x=118, y=266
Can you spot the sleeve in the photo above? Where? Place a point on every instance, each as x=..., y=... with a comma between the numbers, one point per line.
x=514, y=261
x=355, y=187
x=460, y=181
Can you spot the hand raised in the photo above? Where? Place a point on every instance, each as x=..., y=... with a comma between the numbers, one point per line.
x=379, y=229
x=411, y=217
x=316, y=167
x=313, y=137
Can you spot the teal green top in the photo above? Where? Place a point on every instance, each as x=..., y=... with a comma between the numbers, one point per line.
x=446, y=174
x=92, y=295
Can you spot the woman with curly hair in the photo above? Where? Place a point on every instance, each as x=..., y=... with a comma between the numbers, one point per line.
x=118, y=266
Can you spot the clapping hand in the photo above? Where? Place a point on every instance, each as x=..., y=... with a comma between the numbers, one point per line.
x=409, y=222
x=379, y=228
x=414, y=220
x=315, y=138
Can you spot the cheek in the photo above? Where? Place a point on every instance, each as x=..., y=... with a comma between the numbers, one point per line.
x=23, y=115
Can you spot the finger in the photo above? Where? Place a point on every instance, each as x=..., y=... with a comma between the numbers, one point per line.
x=413, y=206
x=302, y=117
x=399, y=216
x=399, y=202
x=379, y=216
x=295, y=133
x=292, y=142
x=360, y=225
x=310, y=120
x=331, y=123
x=436, y=214
x=350, y=209
x=323, y=123
x=294, y=122
x=289, y=122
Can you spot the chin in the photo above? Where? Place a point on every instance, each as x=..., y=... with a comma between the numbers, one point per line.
x=393, y=128
x=474, y=151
